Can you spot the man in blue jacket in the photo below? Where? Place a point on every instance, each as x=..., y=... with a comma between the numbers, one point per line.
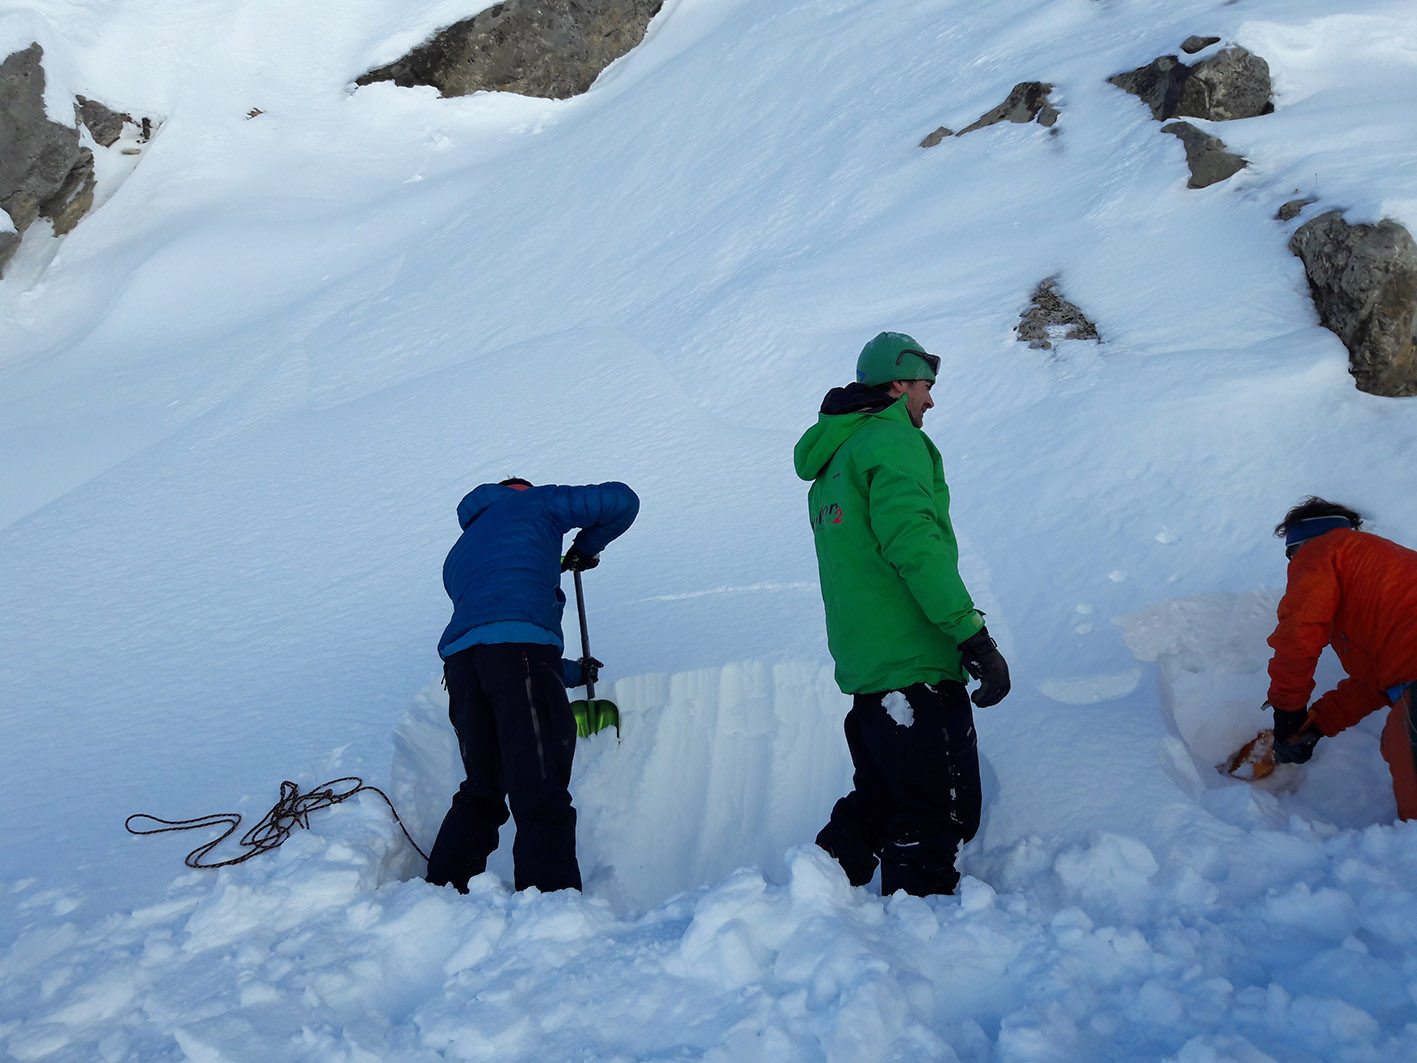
x=506, y=678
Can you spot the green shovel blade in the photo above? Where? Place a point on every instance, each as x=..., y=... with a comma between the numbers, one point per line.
x=595, y=715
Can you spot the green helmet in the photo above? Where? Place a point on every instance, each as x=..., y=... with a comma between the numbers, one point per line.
x=895, y=356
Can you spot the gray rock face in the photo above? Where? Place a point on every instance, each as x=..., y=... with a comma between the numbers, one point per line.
x=103, y=124
x=1364, y=282
x=1195, y=43
x=1026, y=102
x=1232, y=83
x=1208, y=158
x=44, y=173
x=549, y=48
x=1052, y=315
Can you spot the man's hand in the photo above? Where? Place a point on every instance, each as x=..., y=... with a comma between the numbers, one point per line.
x=982, y=659
x=590, y=670
x=575, y=561
x=1293, y=742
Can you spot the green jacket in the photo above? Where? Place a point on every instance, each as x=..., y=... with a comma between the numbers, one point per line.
x=886, y=551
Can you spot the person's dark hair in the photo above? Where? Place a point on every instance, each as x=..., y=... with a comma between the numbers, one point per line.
x=1313, y=506
x=514, y=481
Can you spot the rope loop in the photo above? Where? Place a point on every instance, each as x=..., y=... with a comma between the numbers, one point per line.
x=291, y=811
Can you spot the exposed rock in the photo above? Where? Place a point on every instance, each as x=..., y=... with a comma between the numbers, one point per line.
x=937, y=136
x=1193, y=44
x=9, y=244
x=1158, y=84
x=1210, y=161
x=1052, y=317
x=104, y=125
x=44, y=173
x=74, y=198
x=1291, y=210
x=45, y=169
x=1027, y=102
x=550, y=48
x=1232, y=83
x=1364, y=282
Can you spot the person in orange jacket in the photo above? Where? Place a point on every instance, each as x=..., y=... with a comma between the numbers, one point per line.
x=1356, y=592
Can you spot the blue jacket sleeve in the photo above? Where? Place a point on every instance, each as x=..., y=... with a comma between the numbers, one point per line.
x=571, y=673
x=602, y=512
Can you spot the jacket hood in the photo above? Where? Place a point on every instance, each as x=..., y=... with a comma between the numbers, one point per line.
x=476, y=501
x=844, y=410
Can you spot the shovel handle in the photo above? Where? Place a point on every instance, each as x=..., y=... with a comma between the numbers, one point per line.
x=585, y=635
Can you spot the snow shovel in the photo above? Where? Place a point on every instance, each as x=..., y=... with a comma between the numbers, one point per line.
x=592, y=713
x=1255, y=759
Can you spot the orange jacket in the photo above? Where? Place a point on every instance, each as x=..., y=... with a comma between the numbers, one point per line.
x=1357, y=593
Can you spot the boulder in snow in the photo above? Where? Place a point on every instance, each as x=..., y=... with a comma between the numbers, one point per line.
x=1026, y=102
x=45, y=169
x=1232, y=83
x=1293, y=208
x=1053, y=317
x=937, y=136
x=550, y=48
x=1364, y=282
x=1196, y=43
x=1210, y=161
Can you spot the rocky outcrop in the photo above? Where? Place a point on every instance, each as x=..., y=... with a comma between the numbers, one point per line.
x=1364, y=282
x=1026, y=102
x=1206, y=155
x=549, y=48
x=1196, y=43
x=1052, y=317
x=1232, y=83
x=45, y=170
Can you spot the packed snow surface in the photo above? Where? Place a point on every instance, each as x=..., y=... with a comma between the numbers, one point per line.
x=240, y=402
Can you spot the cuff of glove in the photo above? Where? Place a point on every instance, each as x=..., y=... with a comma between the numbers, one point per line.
x=980, y=642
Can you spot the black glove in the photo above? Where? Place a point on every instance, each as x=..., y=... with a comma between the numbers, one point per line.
x=575, y=561
x=982, y=660
x=590, y=670
x=1291, y=745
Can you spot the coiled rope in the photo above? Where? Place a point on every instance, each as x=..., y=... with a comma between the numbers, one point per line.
x=292, y=810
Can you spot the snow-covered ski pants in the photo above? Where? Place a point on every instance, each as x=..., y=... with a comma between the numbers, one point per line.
x=517, y=737
x=916, y=794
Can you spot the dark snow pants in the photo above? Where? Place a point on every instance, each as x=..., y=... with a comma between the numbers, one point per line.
x=517, y=738
x=916, y=796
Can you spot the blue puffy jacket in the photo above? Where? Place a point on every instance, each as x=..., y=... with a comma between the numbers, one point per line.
x=504, y=572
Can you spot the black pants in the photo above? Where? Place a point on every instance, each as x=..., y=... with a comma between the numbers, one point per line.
x=517, y=737
x=916, y=796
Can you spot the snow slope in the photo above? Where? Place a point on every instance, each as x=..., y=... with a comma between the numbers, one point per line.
x=242, y=399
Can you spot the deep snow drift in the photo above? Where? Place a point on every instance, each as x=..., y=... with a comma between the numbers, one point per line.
x=242, y=399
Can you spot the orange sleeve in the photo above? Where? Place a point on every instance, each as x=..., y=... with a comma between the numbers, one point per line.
x=1345, y=705
x=1305, y=617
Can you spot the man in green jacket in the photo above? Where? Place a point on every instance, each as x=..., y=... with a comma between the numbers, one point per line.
x=901, y=626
